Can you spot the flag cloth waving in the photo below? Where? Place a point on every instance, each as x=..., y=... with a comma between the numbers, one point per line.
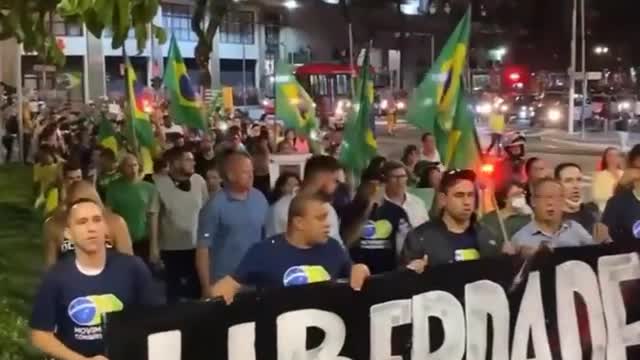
x=436, y=98
x=359, y=145
x=183, y=105
x=107, y=136
x=142, y=134
x=293, y=105
x=462, y=146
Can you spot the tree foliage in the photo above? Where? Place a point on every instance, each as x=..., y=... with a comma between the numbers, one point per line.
x=29, y=22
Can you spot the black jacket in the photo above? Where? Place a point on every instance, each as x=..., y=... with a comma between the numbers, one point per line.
x=432, y=239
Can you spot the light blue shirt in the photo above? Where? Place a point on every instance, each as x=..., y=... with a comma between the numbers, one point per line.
x=571, y=234
x=229, y=227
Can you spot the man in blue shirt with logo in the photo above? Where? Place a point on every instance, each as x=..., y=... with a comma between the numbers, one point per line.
x=304, y=254
x=66, y=322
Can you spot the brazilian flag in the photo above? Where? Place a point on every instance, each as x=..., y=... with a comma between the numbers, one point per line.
x=107, y=136
x=359, y=145
x=183, y=106
x=293, y=105
x=140, y=129
x=435, y=102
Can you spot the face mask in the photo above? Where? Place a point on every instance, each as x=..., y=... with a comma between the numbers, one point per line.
x=520, y=205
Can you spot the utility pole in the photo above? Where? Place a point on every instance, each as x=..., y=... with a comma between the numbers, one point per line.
x=572, y=67
x=584, y=68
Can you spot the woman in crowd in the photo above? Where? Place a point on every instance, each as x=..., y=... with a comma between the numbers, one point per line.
x=606, y=179
x=514, y=212
x=287, y=145
x=410, y=156
x=261, y=157
x=56, y=245
x=429, y=177
x=287, y=184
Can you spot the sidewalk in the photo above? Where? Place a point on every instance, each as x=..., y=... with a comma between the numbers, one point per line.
x=599, y=140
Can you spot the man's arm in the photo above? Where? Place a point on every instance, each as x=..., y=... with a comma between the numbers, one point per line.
x=46, y=342
x=412, y=248
x=154, y=211
x=207, y=224
x=227, y=288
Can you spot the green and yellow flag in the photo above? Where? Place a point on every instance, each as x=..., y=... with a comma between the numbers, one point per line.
x=293, y=105
x=107, y=135
x=142, y=134
x=184, y=108
x=435, y=101
x=140, y=131
x=359, y=145
x=461, y=143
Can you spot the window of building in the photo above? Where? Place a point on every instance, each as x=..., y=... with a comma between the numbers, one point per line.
x=60, y=27
x=238, y=28
x=177, y=19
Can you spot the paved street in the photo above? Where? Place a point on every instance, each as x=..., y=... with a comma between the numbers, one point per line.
x=548, y=149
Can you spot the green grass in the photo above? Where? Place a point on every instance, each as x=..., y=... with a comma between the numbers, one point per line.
x=20, y=261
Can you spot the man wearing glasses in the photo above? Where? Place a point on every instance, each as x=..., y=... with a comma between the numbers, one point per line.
x=395, y=181
x=548, y=227
x=455, y=235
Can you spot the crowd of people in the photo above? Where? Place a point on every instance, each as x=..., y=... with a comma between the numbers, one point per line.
x=207, y=223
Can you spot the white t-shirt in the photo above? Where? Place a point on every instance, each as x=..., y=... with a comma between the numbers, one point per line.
x=279, y=213
x=415, y=209
x=435, y=158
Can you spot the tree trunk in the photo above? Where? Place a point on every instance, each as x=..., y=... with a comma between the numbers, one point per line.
x=212, y=13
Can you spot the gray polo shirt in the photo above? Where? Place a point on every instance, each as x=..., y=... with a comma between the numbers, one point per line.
x=571, y=234
x=229, y=227
x=178, y=211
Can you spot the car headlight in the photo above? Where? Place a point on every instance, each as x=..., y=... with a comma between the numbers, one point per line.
x=624, y=106
x=554, y=115
x=400, y=105
x=483, y=108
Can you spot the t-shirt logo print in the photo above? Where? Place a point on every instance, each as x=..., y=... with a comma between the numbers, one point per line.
x=305, y=274
x=636, y=229
x=380, y=229
x=88, y=310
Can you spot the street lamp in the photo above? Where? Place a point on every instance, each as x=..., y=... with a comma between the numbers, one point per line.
x=291, y=4
x=601, y=50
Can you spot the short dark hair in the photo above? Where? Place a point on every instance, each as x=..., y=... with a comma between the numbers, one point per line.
x=541, y=182
x=390, y=166
x=298, y=205
x=502, y=193
x=107, y=154
x=561, y=167
x=320, y=164
x=70, y=166
x=425, y=136
x=633, y=155
x=175, y=153
x=529, y=164
x=451, y=177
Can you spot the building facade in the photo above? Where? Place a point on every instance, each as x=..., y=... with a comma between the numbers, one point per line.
x=251, y=38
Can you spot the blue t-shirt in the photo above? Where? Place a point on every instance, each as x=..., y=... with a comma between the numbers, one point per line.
x=465, y=246
x=276, y=263
x=71, y=304
x=228, y=227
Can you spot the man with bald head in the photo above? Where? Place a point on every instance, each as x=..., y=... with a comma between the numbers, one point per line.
x=231, y=222
x=130, y=197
